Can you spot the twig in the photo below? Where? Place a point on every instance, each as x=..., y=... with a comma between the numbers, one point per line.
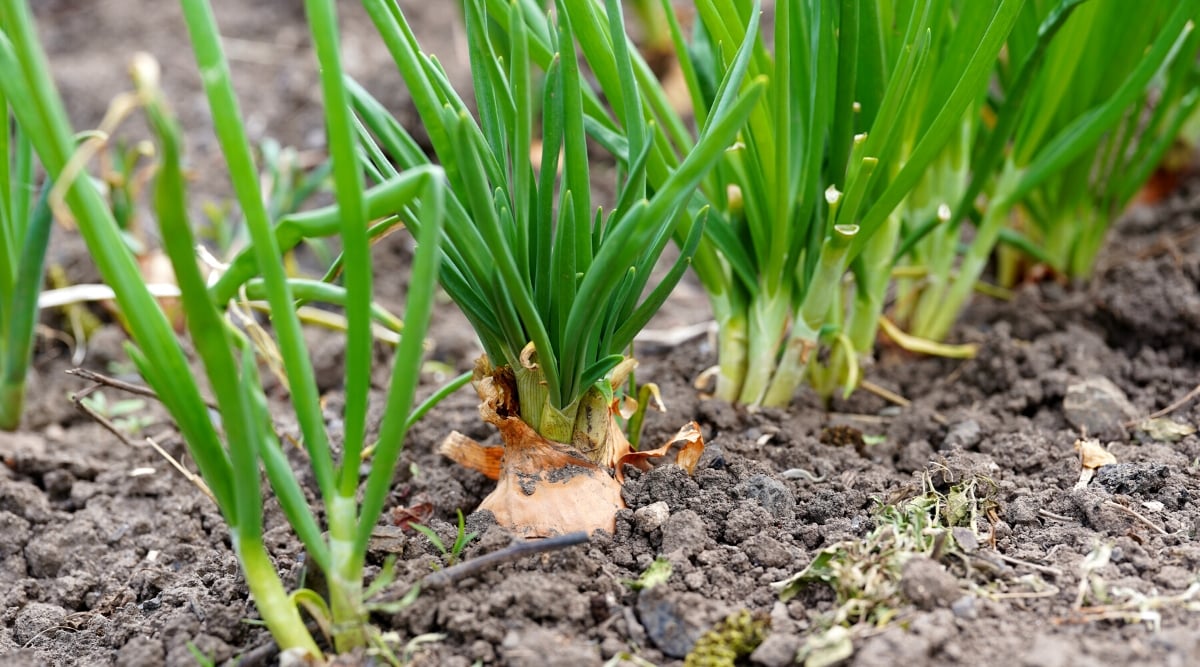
x=514, y=551
x=1024, y=595
x=1057, y=517
x=99, y=418
x=801, y=473
x=192, y=477
x=1169, y=409
x=1033, y=566
x=104, y=380
x=1137, y=515
x=77, y=398
x=855, y=416
x=889, y=395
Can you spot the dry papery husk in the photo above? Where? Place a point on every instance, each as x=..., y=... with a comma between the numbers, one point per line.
x=546, y=488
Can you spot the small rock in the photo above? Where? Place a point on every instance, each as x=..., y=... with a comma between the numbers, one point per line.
x=965, y=608
x=777, y=650
x=26, y=501
x=674, y=621
x=964, y=434
x=650, y=517
x=1132, y=478
x=684, y=532
x=1098, y=407
x=771, y=494
x=965, y=539
x=766, y=551
x=35, y=619
x=542, y=647
x=141, y=651
x=668, y=483
x=927, y=584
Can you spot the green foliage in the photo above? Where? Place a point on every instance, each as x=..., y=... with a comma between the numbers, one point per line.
x=657, y=573
x=24, y=236
x=231, y=459
x=1088, y=103
x=861, y=98
x=555, y=287
x=461, y=539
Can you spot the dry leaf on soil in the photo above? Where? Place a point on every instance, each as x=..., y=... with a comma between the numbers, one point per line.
x=1092, y=455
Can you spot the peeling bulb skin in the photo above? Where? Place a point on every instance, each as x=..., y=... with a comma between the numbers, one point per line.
x=543, y=486
x=547, y=489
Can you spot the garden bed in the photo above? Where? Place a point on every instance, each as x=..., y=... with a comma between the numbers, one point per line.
x=108, y=556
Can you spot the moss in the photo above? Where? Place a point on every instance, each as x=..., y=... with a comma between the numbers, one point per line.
x=735, y=637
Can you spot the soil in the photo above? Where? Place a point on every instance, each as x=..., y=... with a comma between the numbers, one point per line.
x=108, y=557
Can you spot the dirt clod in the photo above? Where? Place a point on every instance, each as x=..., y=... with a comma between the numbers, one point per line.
x=927, y=584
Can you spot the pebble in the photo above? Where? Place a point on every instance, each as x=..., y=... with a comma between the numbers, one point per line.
x=684, y=532
x=35, y=619
x=1132, y=478
x=1099, y=407
x=674, y=621
x=767, y=551
x=771, y=493
x=965, y=608
x=777, y=650
x=651, y=517
x=964, y=434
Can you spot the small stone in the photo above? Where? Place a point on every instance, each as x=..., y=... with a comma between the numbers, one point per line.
x=777, y=650
x=1098, y=407
x=927, y=584
x=649, y=518
x=766, y=551
x=1022, y=509
x=1132, y=478
x=965, y=539
x=684, y=532
x=964, y=434
x=16, y=532
x=965, y=608
x=1173, y=578
x=771, y=494
x=674, y=621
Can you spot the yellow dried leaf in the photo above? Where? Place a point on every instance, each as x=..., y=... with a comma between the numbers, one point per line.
x=1092, y=454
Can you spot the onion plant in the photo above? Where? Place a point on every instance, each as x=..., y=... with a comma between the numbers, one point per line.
x=24, y=235
x=861, y=99
x=232, y=452
x=555, y=286
x=1101, y=54
x=1070, y=143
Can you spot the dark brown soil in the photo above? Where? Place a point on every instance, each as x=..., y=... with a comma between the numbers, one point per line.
x=107, y=556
